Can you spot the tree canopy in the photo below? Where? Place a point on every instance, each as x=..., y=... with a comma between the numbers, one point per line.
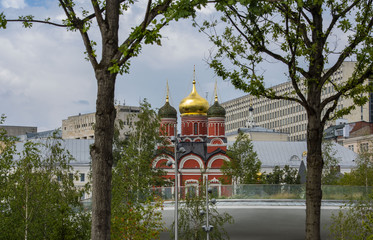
x=38, y=199
x=331, y=172
x=244, y=165
x=362, y=174
x=286, y=175
x=135, y=209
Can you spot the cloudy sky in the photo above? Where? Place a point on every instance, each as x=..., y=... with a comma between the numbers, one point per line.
x=44, y=77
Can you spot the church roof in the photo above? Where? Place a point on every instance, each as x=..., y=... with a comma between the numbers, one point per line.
x=199, y=149
x=216, y=110
x=193, y=104
x=167, y=111
x=276, y=153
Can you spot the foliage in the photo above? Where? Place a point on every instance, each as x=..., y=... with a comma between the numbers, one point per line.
x=354, y=221
x=191, y=220
x=299, y=35
x=34, y=202
x=286, y=175
x=362, y=175
x=244, y=165
x=137, y=221
x=331, y=172
x=133, y=214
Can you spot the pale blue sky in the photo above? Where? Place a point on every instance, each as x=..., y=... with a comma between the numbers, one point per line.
x=44, y=77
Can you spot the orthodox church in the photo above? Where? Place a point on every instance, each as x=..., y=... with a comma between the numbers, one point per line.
x=202, y=140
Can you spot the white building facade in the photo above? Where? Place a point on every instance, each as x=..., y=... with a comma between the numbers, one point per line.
x=287, y=116
x=81, y=126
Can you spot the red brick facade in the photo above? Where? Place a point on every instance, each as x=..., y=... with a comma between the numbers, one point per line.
x=203, y=138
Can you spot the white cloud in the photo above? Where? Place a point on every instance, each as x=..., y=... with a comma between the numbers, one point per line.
x=44, y=77
x=209, y=9
x=13, y=3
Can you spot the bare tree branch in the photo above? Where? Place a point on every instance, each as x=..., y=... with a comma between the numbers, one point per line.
x=98, y=14
x=359, y=37
x=350, y=85
x=37, y=21
x=130, y=43
x=337, y=16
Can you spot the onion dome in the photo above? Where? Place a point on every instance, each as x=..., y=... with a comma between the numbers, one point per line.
x=167, y=111
x=216, y=110
x=193, y=104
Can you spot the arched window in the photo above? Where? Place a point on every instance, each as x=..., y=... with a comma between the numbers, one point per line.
x=195, y=128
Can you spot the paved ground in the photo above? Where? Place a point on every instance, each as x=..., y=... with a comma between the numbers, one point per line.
x=262, y=220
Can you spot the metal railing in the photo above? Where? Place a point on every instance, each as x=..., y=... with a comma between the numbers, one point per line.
x=259, y=191
x=268, y=191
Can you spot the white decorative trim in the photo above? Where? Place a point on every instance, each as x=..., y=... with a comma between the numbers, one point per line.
x=161, y=157
x=187, y=138
x=191, y=171
x=169, y=119
x=216, y=157
x=216, y=144
x=191, y=157
x=198, y=138
x=215, y=181
x=191, y=181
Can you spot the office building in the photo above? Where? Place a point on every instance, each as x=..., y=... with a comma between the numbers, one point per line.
x=14, y=131
x=288, y=116
x=82, y=126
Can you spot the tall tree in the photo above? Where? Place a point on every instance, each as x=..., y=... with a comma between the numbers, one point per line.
x=362, y=174
x=244, y=165
x=297, y=34
x=38, y=199
x=133, y=215
x=286, y=175
x=112, y=60
x=331, y=172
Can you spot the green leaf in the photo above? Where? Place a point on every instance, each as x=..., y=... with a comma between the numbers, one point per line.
x=3, y=21
x=26, y=20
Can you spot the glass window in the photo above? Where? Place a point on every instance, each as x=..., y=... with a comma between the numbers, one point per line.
x=364, y=147
x=351, y=147
x=82, y=177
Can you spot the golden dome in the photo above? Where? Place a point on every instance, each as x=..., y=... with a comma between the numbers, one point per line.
x=193, y=104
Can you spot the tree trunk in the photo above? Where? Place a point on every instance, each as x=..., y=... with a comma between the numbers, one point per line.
x=102, y=155
x=314, y=171
x=102, y=150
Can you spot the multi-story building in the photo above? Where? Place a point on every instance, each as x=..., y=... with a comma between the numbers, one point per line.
x=288, y=116
x=356, y=136
x=82, y=126
x=14, y=131
x=256, y=133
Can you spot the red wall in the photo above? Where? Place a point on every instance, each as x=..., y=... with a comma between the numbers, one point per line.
x=167, y=126
x=188, y=122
